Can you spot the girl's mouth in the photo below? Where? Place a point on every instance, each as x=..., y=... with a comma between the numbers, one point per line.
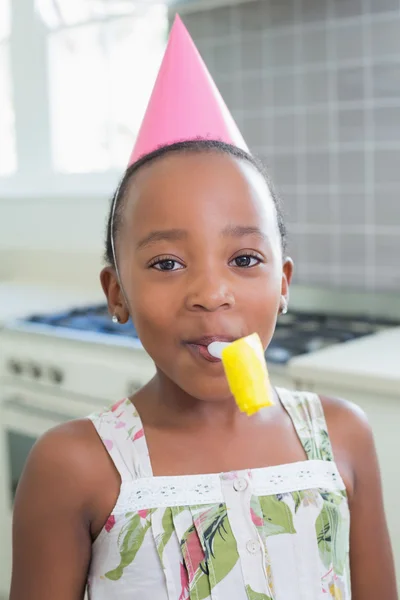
x=202, y=351
x=199, y=347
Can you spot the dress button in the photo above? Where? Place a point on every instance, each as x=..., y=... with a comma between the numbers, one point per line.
x=253, y=546
x=240, y=485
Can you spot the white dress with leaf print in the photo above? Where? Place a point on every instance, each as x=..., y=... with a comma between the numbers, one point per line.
x=275, y=533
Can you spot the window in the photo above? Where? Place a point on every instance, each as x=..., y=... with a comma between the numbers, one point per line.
x=103, y=57
x=8, y=157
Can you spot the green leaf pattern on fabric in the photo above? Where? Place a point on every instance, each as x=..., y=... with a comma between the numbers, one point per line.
x=308, y=416
x=219, y=545
x=129, y=541
x=200, y=587
x=168, y=529
x=252, y=595
x=332, y=530
x=304, y=498
x=278, y=517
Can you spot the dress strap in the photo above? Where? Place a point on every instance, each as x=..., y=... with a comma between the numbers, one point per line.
x=307, y=414
x=121, y=431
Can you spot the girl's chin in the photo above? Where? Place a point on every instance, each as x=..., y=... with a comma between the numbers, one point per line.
x=208, y=393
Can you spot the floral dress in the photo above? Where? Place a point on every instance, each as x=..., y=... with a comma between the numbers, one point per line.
x=272, y=533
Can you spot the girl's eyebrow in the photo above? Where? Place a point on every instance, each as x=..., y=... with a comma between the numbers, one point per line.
x=162, y=235
x=238, y=231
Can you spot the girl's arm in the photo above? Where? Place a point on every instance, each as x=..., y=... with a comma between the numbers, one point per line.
x=371, y=559
x=372, y=567
x=52, y=515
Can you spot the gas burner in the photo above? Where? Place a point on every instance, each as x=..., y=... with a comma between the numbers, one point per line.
x=94, y=319
x=296, y=333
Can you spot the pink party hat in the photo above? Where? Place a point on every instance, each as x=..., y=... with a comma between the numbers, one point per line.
x=185, y=103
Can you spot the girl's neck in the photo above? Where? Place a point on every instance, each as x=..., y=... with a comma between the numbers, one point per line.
x=163, y=404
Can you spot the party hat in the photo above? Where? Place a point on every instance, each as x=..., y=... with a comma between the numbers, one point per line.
x=185, y=103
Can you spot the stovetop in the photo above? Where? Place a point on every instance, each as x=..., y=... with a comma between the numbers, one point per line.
x=296, y=333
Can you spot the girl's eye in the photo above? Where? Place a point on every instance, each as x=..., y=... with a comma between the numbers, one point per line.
x=246, y=261
x=167, y=264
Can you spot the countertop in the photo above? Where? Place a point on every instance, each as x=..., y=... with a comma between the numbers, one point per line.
x=371, y=363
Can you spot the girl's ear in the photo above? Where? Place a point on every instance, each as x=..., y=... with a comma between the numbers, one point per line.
x=114, y=294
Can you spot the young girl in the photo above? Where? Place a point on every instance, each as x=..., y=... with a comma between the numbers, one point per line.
x=174, y=494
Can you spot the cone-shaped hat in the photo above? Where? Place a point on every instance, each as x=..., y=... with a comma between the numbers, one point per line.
x=185, y=103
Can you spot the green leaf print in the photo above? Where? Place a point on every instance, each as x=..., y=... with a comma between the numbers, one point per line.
x=223, y=549
x=220, y=549
x=324, y=536
x=215, y=526
x=334, y=498
x=133, y=535
x=168, y=529
x=311, y=448
x=297, y=498
x=325, y=445
x=305, y=498
x=200, y=586
x=255, y=595
x=331, y=531
x=277, y=516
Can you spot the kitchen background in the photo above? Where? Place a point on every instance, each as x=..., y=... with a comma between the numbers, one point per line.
x=315, y=88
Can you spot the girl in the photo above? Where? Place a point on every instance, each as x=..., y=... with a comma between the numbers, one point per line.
x=173, y=494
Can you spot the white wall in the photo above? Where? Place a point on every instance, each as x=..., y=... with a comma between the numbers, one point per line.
x=59, y=224
x=53, y=240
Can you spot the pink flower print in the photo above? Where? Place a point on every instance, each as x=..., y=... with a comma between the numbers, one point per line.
x=143, y=513
x=108, y=444
x=120, y=425
x=139, y=434
x=195, y=554
x=258, y=521
x=184, y=584
x=110, y=523
x=117, y=405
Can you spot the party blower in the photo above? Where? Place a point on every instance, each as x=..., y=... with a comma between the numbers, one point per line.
x=246, y=372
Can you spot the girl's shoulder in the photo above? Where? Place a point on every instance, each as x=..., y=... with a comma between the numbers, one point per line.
x=339, y=428
x=351, y=437
x=346, y=421
x=69, y=459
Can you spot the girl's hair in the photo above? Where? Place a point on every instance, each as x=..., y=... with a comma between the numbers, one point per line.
x=115, y=217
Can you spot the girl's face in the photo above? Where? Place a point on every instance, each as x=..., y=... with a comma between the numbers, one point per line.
x=200, y=259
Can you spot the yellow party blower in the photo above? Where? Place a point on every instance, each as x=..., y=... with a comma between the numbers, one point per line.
x=246, y=372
